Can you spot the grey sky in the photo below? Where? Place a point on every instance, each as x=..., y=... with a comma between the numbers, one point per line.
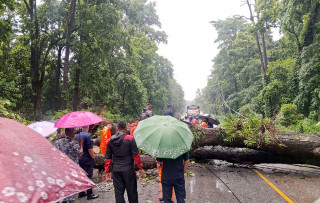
x=191, y=37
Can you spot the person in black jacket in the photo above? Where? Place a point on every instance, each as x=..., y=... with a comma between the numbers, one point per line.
x=123, y=150
x=169, y=111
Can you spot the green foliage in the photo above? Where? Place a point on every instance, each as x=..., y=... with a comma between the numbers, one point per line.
x=7, y=113
x=289, y=115
x=113, y=58
x=197, y=132
x=293, y=74
x=305, y=125
x=254, y=130
x=113, y=117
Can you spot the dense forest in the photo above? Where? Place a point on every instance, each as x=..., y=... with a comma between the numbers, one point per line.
x=67, y=55
x=253, y=73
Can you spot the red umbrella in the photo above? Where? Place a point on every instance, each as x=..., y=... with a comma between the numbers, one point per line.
x=78, y=119
x=33, y=170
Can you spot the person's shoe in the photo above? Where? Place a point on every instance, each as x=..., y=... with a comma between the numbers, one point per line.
x=92, y=196
x=82, y=194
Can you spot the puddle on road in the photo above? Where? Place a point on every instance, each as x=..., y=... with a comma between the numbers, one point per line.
x=220, y=185
x=192, y=183
x=317, y=201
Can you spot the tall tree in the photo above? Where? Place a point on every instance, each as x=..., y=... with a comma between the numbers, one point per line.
x=71, y=14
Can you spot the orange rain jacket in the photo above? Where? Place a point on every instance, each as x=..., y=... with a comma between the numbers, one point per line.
x=133, y=128
x=204, y=124
x=105, y=137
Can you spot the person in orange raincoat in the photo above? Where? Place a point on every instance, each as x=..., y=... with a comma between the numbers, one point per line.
x=204, y=124
x=195, y=121
x=160, y=189
x=105, y=137
x=134, y=126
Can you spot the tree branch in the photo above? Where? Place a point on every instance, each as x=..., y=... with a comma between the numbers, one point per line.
x=27, y=5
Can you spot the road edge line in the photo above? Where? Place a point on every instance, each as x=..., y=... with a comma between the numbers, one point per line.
x=274, y=187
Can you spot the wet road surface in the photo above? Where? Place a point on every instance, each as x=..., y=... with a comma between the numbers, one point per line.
x=212, y=183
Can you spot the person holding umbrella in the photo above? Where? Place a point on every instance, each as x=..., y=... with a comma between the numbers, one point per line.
x=122, y=149
x=87, y=161
x=169, y=140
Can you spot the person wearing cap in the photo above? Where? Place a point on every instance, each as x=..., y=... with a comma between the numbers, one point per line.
x=122, y=150
x=146, y=112
x=169, y=111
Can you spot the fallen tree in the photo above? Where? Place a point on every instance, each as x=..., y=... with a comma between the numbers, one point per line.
x=282, y=147
x=302, y=148
x=239, y=155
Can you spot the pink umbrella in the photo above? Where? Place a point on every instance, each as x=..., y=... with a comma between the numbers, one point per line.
x=44, y=128
x=33, y=170
x=78, y=119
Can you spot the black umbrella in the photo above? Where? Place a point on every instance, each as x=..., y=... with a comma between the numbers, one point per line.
x=211, y=119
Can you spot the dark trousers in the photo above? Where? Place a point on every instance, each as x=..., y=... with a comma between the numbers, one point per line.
x=87, y=166
x=125, y=181
x=179, y=189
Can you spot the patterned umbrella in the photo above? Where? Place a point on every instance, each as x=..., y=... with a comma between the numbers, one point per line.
x=44, y=128
x=78, y=119
x=33, y=170
x=163, y=137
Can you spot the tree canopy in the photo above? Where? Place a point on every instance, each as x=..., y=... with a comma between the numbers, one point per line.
x=255, y=73
x=80, y=54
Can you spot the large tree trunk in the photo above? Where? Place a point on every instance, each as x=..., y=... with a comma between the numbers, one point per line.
x=35, y=57
x=263, y=58
x=147, y=161
x=57, y=93
x=65, y=89
x=291, y=148
x=244, y=156
x=304, y=148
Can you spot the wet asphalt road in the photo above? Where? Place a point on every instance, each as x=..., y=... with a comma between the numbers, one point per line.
x=224, y=184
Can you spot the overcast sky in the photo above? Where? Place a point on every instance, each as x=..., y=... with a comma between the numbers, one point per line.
x=191, y=37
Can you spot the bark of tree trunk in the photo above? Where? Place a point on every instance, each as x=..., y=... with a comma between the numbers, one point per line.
x=35, y=57
x=303, y=147
x=123, y=99
x=76, y=90
x=147, y=161
x=265, y=59
x=56, y=101
x=295, y=148
x=263, y=67
x=71, y=15
x=244, y=156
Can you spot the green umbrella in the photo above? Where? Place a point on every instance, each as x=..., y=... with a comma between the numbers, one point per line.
x=163, y=137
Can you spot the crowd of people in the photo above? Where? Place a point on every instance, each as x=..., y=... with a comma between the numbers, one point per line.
x=121, y=152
